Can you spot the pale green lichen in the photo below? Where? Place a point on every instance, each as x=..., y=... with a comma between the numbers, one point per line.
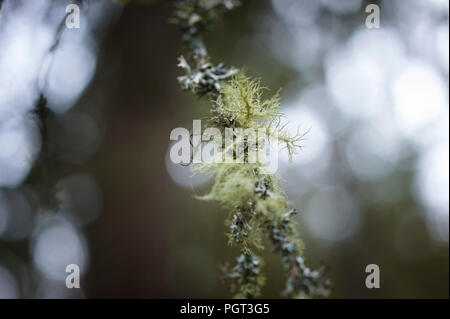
x=241, y=104
x=256, y=203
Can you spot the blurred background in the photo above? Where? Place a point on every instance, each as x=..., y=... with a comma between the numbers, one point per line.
x=371, y=182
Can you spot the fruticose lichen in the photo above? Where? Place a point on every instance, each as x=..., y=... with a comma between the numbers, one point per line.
x=258, y=207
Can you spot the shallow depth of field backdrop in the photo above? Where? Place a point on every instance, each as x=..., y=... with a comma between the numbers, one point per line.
x=371, y=183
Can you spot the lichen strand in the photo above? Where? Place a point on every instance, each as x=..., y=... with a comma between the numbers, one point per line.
x=241, y=104
x=301, y=282
x=192, y=17
x=257, y=203
x=244, y=229
x=203, y=78
x=245, y=279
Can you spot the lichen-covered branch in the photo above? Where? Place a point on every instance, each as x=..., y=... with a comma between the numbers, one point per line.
x=301, y=282
x=245, y=279
x=192, y=17
x=257, y=204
